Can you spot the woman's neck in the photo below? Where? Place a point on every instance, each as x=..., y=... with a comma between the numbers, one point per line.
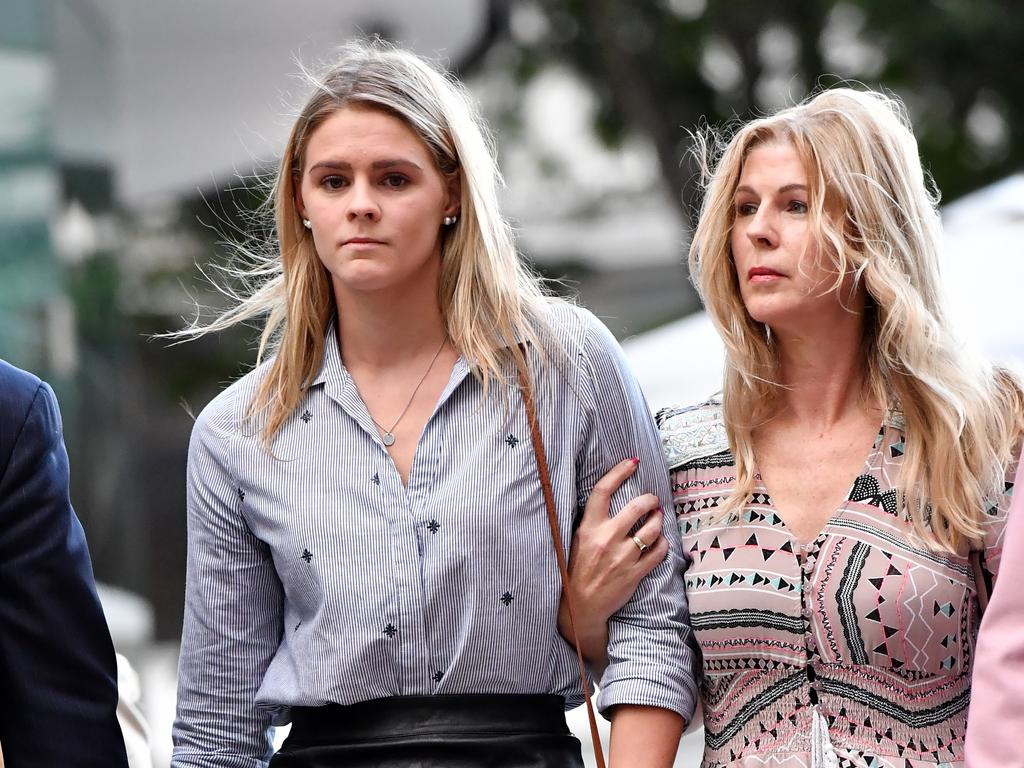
x=380, y=329
x=823, y=373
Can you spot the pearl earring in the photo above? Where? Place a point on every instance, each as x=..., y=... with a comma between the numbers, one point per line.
x=307, y=224
x=450, y=220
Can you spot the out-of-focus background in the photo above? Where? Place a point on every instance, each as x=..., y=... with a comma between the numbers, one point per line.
x=131, y=132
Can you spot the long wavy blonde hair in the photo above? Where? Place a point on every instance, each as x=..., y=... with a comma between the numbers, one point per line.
x=489, y=299
x=963, y=417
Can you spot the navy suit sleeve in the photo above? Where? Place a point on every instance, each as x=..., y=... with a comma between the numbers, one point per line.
x=58, y=689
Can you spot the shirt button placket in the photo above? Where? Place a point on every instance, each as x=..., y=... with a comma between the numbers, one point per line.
x=412, y=659
x=809, y=556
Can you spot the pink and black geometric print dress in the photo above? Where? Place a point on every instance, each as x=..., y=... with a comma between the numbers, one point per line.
x=854, y=650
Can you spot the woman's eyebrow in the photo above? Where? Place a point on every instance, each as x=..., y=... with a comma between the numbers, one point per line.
x=785, y=188
x=377, y=165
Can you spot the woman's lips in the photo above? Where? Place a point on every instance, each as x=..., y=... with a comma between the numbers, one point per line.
x=763, y=275
x=362, y=242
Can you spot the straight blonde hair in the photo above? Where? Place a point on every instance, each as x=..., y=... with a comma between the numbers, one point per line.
x=489, y=299
x=963, y=416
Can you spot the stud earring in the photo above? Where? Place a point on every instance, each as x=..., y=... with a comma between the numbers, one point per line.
x=307, y=224
x=450, y=220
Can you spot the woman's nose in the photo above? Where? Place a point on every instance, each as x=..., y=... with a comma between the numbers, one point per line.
x=362, y=203
x=761, y=229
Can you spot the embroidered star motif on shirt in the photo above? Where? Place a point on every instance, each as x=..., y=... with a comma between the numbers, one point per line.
x=433, y=526
x=241, y=495
x=437, y=676
x=512, y=441
x=390, y=630
x=306, y=416
x=507, y=598
x=375, y=479
x=307, y=555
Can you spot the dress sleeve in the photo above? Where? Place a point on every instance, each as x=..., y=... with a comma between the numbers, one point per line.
x=997, y=518
x=233, y=615
x=650, y=644
x=997, y=683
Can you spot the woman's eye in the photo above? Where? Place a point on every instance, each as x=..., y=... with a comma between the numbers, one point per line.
x=745, y=209
x=395, y=180
x=797, y=206
x=333, y=182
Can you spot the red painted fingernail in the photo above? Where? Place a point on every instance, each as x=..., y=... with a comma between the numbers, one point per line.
x=634, y=459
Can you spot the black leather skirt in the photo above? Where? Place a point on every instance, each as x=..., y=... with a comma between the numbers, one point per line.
x=472, y=731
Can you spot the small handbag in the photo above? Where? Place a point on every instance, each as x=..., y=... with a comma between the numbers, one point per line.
x=526, y=389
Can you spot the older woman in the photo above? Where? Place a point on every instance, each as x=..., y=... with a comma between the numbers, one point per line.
x=831, y=499
x=369, y=550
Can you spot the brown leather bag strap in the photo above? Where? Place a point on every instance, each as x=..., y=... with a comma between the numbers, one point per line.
x=556, y=537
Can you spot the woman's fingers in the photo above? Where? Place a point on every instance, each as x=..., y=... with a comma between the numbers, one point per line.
x=596, y=509
x=650, y=532
x=653, y=556
x=634, y=510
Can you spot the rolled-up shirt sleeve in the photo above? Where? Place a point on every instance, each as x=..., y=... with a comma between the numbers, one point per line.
x=651, y=648
x=233, y=611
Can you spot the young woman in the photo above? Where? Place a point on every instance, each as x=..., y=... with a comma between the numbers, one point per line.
x=369, y=551
x=832, y=497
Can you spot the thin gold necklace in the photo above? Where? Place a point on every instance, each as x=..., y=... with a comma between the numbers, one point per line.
x=388, y=435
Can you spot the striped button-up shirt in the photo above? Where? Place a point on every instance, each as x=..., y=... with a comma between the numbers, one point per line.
x=316, y=576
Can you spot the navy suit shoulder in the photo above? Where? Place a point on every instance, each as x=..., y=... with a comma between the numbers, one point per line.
x=17, y=391
x=58, y=675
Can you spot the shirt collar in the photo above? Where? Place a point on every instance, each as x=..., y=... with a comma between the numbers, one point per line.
x=332, y=370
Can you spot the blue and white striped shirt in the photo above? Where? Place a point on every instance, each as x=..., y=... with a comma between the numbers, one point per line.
x=315, y=576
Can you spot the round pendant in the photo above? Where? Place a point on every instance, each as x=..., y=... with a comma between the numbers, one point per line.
x=388, y=439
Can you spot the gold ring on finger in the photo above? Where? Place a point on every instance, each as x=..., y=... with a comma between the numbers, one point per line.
x=641, y=545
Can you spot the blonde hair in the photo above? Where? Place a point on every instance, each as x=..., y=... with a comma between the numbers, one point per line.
x=489, y=299
x=963, y=417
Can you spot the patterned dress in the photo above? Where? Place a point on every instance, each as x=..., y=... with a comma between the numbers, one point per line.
x=853, y=650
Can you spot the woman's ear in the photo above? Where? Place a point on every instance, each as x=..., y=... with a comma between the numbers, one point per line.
x=300, y=206
x=453, y=201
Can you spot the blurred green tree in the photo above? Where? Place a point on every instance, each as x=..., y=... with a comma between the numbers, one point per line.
x=662, y=67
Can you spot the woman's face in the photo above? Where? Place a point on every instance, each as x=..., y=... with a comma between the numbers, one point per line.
x=375, y=200
x=783, y=280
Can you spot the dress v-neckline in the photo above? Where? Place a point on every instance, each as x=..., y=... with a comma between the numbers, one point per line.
x=838, y=511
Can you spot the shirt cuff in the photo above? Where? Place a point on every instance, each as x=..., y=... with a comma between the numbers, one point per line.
x=649, y=688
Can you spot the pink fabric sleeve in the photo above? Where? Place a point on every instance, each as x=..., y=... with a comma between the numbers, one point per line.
x=996, y=718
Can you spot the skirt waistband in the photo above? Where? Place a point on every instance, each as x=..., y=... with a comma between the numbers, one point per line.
x=423, y=715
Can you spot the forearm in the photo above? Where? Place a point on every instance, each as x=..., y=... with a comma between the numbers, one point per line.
x=644, y=737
